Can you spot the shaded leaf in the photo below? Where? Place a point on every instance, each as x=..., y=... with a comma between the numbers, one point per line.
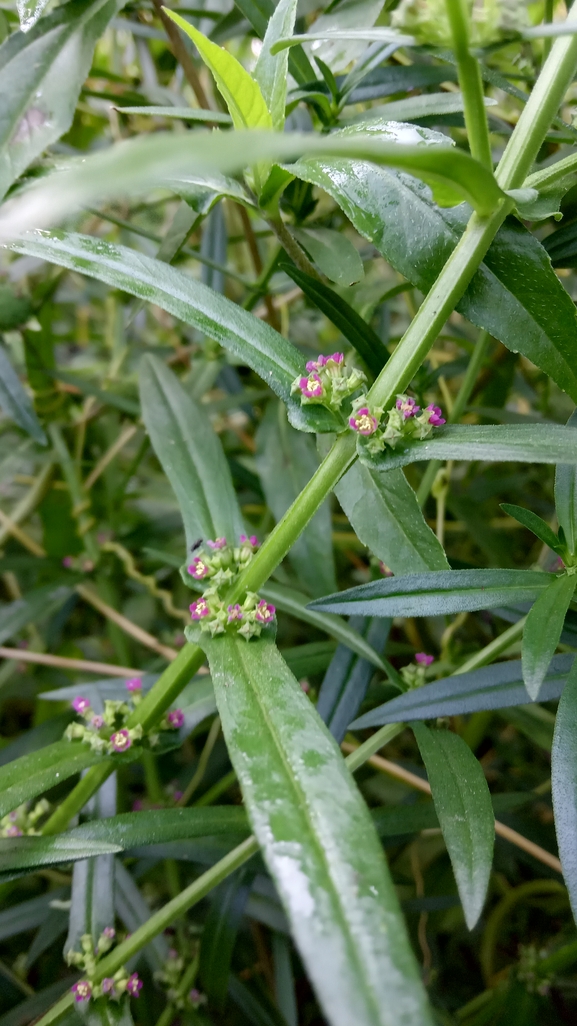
x=534, y=523
x=564, y=784
x=15, y=401
x=37, y=604
x=271, y=71
x=134, y=912
x=220, y=933
x=29, y=852
x=542, y=630
x=28, y=914
x=348, y=677
x=332, y=253
x=566, y=497
x=33, y=1007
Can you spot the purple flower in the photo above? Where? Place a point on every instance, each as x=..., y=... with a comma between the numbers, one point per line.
x=252, y=541
x=107, y=985
x=364, y=422
x=234, y=613
x=134, y=985
x=198, y=568
x=385, y=570
x=311, y=387
x=219, y=543
x=134, y=684
x=407, y=406
x=121, y=741
x=13, y=831
x=321, y=361
x=199, y=608
x=97, y=722
x=68, y=562
x=137, y=805
x=109, y=932
x=82, y=990
x=80, y=705
x=423, y=659
x=435, y=415
x=176, y=718
x=264, y=612
x=178, y=795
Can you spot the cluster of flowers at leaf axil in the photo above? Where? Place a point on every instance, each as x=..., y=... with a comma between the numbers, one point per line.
x=24, y=820
x=111, y=987
x=108, y=732
x=413, y=674
x=330, y=382
x=219, y=564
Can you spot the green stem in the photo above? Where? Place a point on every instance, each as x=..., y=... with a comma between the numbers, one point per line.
x=471, y=84
x=80, y=501
x=373, y=745
x=548, y=18
x=493, y=649
x=78, y=797
x=216, y=790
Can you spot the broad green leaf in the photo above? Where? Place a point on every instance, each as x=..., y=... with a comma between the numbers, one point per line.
x=542, y=630
x=36, y=605
x=308, y=816
x=333, y=254
x=248, y=338
x=220, y=933
x=566, y=497
x=499, y=443
x=386, y=516
x=354, y=328
x=288, y=600
x=15, y=401
x=348, y=677
x=430, y=594
x=41, y=73
x=564, y=784
x=514, y=295
x=240, y=91
x=190, y=454
x=463, y=805
x=17, y=853
x=534, y=523
x=499, y=686
x=286, y=460
x=218, y=117
x=271, y=70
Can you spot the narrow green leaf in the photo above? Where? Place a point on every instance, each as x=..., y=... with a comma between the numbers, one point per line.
x=413, y=108
x=92, y=897
x=368, y=35
x=29, y=852
x=248, y=338
x=271, y=70
x=218, y=117
x=332, y=253
x=36, y=605
x=534, y=523
x=220, y=933
x=463, y=805
x=499, y=686
x=258, y=13
x=355, y=329
x=15, y=401
x=566, y=497
x=386, y=516
x=135, y=829
x=27, y=915
x=551, y=443
x=430, y=594
x=564, y=784
x=33, y=1007
x=191, y=456
x=308, y=817
x=240, y=91
x=347, y=678
x=288, y=600
x=38, y=98
x=286, y=460
x=542, y=630
x=284, y=978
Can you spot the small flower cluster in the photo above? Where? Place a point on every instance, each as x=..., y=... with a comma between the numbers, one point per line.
x=170, y=978
x=219, y=567
x=328, y=381
x=528, y=970
x=112, y=987
x=491, y=20
x=23, y=820
x=108, y=732
x=414, y=673
x=405, y=421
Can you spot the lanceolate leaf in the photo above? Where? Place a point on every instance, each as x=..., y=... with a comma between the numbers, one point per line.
x=15, y=401
x=534, y=523
x=499, y=686
x=308, y=818
x=386, y=516
x=463, y=805
x=550, y=443
x=348, y=677
x=245, y=336
x=566, y=496
x=271, y=70
x=427, y=594
x=542, y=630
x=515, y=294
x=26, y=853
x=191, y=456
x=564, y=781
x=41, y=72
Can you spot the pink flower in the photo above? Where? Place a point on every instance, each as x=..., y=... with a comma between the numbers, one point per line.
x=80, y=705
x=364, y=422
x=97, y=722
x=178, y=795
x=109, y=932
x=311, y=387
x=120, y=741
x=321, y=361
x=423, y=659
x=107, y=985
x=219, y=543
x=198, y=568
x=137, y=805
x=407, y=406
x=264, y=612
x=436, y=418
x=176, y=718
x=134, y=684
x=68, y=562
x=252, y=541
x=199, y=608
x=385, y=569
x=82, y=990
x=13, y=831
x=134, y=985
x=234, y=613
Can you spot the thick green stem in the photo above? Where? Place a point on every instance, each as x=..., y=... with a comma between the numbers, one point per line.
x=471, y=84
